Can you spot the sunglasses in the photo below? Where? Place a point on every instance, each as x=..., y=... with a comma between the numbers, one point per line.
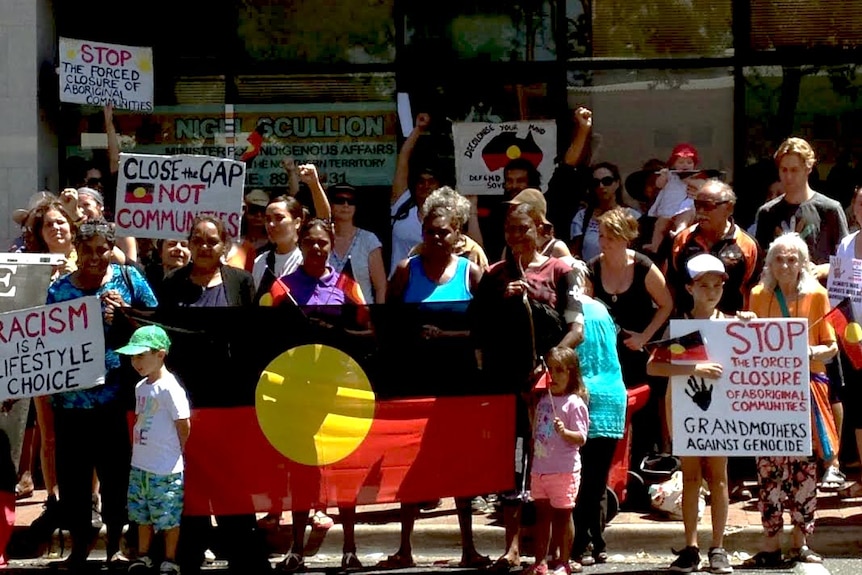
x=338, y=200
x=606, y=181
x=93, y=182
x=255, y=210
x=708, y=206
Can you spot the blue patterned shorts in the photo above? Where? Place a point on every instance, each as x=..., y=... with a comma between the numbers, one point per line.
x=155, y=500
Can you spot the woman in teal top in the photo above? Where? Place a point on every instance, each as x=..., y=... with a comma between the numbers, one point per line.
x=438, y=277
x=600, y=366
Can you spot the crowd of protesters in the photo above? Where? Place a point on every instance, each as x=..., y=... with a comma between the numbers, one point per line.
x=575, y=275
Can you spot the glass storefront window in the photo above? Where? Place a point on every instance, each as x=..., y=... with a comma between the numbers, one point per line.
x=314, y=32
x=652, y=29
x=642, y=114
x=818, y=103
x=451, y=30
x=777, y=24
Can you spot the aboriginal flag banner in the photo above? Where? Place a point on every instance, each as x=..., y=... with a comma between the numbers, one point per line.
x=296, y=407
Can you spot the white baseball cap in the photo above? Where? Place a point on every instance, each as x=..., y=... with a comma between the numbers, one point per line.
x=704, y=264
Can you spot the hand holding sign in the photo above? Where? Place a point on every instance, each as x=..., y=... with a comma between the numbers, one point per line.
x=700, y=393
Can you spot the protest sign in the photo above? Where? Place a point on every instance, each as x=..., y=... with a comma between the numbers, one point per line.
x=760, y=404
x=52, y=349
x=845, y=280
x=24, y=279
x=483, y=150
x=159, y=196
x=97, y=73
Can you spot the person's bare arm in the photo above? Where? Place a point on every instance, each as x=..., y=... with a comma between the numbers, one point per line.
x=129, y=246
x=665, y=369
x=377, y=272
x=584, y=122
x=473, y=229
x=308, y=175
x=184, y=428
x=402, y=166
x=113, y=140
x=657, y=288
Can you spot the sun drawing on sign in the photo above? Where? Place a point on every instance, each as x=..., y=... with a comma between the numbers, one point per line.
x=314, y=404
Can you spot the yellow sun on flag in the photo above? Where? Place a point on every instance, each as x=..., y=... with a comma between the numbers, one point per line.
x=853, y=332
x=513, y=152
x=144, y=65
x=139, y=192
x=314, y=404
x=677, y=349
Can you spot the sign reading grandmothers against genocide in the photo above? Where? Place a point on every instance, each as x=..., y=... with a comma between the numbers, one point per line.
x=482, y=151
x=52, y=349
x=96, y=73
x=760, y=403
x=845, y=280
x=160, y=196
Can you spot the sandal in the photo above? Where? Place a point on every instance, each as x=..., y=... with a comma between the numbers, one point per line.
x=292, y=563
x=804, y=554
x=397, y=561
x=350, y=562
x=764, y=559
x=850, y=491
x=503, y=565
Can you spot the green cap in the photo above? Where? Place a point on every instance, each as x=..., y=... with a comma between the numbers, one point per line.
x=147, y=338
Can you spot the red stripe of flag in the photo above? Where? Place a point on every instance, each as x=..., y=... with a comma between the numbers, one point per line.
x=413, y=452
x=843, y=320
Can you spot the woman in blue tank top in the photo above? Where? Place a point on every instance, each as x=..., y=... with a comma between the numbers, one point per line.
x=437, y=278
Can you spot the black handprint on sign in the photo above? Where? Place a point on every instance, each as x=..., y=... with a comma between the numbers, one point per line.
x=700, y=393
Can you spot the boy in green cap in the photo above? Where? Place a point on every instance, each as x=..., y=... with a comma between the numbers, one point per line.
x=160, y=433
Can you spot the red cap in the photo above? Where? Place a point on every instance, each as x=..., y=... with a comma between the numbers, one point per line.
x=683, y=151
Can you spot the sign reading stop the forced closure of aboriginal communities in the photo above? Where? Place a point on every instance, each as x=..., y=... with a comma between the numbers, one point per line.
x=96, y=73
x=52, y=349
x=160, y=196
x=760, y=404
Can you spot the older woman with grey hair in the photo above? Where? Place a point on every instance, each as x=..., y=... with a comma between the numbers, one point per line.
x=466, y=246
x=789, y=288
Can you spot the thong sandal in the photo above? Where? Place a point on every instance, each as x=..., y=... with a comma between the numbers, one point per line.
x=764, y=559
x=503, y=565
x=475, y=562
x=397, y=561
x=850, y=491
x=805, y=554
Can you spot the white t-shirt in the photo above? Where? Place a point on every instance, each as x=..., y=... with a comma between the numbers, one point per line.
x=590, y=247
x=284, y=264
x=155, y=443
x=364, y=242
x=406, y=232
x=672, y=199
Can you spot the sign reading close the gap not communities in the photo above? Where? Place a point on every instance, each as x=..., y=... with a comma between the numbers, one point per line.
x=52, y=349
x=159, y=196
x=760, y=403
x=96, y=73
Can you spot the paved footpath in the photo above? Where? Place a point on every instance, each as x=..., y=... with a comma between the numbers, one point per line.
x=632, y=537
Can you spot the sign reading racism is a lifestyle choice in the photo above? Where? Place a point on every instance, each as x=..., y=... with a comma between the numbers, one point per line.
x=52, y=349
x=160, y=196
x=482, y=151
x=96, y=73
x=760, y=404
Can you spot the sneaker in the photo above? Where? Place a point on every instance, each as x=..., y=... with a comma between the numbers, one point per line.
x=96, y=515
x=209, y=557
x=718, y=561
x=687, y=560
x=321, y=521
x=169, y=568
x=480, y=506
x=141, y=565
x=832, y=478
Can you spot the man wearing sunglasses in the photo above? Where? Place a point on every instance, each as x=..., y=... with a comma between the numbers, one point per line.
x=715, y=232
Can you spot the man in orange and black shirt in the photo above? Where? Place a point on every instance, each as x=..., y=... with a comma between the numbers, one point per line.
x=715, y=232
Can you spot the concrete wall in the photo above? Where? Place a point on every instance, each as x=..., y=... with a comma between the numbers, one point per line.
x=28, y=144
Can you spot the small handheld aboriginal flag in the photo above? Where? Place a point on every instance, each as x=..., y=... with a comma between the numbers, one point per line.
x=688, y=348
x=848, y=331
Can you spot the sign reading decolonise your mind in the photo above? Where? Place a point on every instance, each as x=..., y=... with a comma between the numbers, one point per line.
x=760, y=404
x=96, y=73
x=482, y=151
x=159, y=196
x=52, y=349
